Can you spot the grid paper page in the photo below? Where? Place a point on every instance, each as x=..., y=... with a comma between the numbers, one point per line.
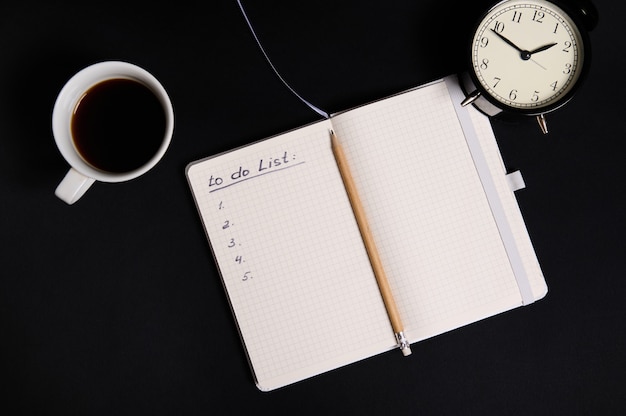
x=291, y=257
x=446, y=263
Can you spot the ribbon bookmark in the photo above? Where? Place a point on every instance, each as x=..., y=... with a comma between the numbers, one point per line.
x=256, y=38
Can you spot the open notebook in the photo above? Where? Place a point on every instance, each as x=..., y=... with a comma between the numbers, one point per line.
x=440, y=207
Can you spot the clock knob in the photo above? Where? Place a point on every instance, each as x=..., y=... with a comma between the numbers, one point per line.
x=587, y=13
x=543, y=125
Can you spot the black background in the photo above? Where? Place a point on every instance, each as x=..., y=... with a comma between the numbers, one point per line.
x=114, y=306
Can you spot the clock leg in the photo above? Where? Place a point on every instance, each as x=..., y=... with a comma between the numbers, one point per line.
x=470, y=98
x=541, y=119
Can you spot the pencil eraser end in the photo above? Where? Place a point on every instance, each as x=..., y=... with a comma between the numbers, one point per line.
x=406, y=351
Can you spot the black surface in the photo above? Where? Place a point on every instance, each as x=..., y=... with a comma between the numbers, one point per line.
x=114, y=306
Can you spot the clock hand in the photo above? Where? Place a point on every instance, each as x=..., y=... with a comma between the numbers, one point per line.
x=541, y=66
x=507, y=41
x=524, y=54
x=539, y=49
x=542, y=48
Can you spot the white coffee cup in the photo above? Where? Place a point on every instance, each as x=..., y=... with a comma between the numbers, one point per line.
x=82, y=173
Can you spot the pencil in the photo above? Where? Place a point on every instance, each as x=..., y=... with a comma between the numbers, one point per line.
x=370, y=246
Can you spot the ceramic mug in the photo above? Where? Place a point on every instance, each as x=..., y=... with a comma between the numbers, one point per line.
x=112, y=121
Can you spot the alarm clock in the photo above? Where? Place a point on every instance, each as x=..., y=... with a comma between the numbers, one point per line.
x=528, y=57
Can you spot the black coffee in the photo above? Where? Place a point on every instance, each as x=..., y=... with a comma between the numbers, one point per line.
x=118, y=125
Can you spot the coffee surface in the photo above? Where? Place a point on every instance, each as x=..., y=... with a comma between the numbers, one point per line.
x=118, y=125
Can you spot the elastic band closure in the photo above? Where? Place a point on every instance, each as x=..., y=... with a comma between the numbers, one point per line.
x=515, y=181
x=515, y=259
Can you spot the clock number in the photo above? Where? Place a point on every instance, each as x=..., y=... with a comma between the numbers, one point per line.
x=484, y=41
x=485, y=64
x=567, y=47
x=556, y=27
x=554, y=85
x=513, y=95
x=497, y=81
x=538, y=16
x=535, y=97
x=516, y=16
x=498, y=27
x=568, y=68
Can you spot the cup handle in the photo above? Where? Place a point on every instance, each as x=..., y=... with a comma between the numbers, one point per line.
x=73, y=186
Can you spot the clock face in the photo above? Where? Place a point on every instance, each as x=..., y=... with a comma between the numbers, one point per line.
x=527, y=55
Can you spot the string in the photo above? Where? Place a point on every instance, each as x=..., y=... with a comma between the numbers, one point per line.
x=256, y=38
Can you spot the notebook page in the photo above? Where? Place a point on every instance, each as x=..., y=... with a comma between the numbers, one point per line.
x=428, y=212
x=291, y=257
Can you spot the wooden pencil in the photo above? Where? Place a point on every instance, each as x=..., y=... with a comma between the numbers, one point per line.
x=370, y=245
